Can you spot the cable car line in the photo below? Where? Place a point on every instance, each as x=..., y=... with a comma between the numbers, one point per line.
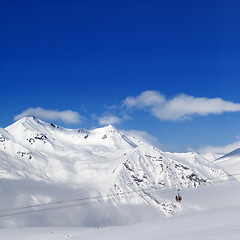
x=100, y=198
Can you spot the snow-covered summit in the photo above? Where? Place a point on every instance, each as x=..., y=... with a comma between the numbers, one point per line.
x=31, y=129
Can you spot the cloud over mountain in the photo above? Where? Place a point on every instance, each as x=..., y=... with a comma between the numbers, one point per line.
x=220, y=149
x=180, y=107
x=67, y=116
x=109, y=119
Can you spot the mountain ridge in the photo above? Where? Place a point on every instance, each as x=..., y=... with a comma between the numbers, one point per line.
x=101, y=161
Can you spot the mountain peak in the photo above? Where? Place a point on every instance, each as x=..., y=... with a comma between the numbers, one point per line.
x=106, y=129
x=29, y=118
x=26, y=123
x=109, y=127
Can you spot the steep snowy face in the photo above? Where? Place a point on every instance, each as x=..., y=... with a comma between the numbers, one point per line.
x=230, y=163
x=234, y=153
x=102, y=160
x=147, y=172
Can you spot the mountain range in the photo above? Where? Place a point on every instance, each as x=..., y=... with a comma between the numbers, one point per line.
x=43, y=163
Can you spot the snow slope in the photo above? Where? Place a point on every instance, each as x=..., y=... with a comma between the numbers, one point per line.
x=220, y=221
x=220, y=225
x=230, y=163
x=42, y=163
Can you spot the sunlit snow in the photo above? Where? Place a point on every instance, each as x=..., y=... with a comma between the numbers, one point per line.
x=97, y=179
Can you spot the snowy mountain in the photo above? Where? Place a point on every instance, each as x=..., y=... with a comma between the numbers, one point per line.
x=230, y=162
x=234, y=153
x=41, y=163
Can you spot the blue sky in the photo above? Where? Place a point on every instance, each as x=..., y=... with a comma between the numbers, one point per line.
x=169, y=69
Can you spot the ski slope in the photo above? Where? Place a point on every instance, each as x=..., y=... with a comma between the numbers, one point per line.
x=216, y=220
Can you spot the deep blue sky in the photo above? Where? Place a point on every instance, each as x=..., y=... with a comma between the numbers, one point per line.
x=86, y=55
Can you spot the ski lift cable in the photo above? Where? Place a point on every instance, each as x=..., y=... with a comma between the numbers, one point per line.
x=61, y=207
x=56, y=208
x=43, y=210
x=121, y=195
x=67, y=206
x=77, y=204
x=167, y=189
x=74, y=200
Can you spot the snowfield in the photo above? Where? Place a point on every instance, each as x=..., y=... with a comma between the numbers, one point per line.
x=61, y=183
x=219, y=225
x=213, y=221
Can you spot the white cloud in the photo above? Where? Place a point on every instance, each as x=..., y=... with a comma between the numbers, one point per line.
x=145, y=99
x=109, y=119
x=67, y=116
x=181, y=107
x=220, y=149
